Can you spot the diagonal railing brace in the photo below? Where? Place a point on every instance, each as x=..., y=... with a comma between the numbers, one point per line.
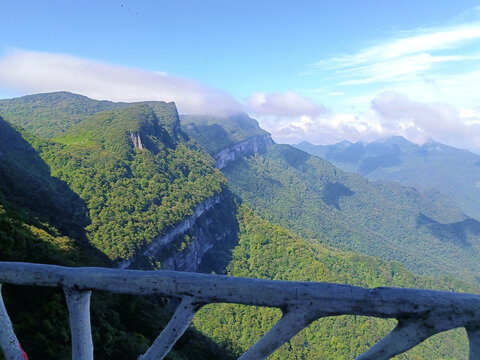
x=173, y=331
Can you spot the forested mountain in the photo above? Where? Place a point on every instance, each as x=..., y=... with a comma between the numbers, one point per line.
x=40, y=218
x=309, y=195
x=118, y=181
x=269, y=251
x=49, y=115
x=136, y=173
x=452, y=171
x=219, y=133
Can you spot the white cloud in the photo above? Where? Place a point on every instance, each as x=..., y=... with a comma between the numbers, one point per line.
x=289, y=116
x=390, y=113
x=400, y=69
x=408, y=43
x=470, y=116
x=29, y=72
x=283, y=104
x=420, y=121
x=406, y=56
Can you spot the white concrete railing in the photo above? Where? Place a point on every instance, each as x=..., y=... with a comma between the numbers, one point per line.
x=420, y=313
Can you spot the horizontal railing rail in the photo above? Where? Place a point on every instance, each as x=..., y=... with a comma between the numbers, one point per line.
x=420, y=313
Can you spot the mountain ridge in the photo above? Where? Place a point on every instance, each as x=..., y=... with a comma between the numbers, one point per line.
x=123, y=161
x=454, y=172
x=267, y=192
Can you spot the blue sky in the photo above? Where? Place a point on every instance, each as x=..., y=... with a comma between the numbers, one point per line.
x=323, y=71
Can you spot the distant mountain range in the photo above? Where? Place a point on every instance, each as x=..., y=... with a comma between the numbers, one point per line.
x=453, y=172
x=424, y=230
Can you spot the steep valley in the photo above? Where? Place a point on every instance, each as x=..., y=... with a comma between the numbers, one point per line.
x=141, y=187
x=424, y=231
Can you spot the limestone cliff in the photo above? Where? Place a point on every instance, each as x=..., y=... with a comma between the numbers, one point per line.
x=212, y=228
x=247, y=147
x=136, y=140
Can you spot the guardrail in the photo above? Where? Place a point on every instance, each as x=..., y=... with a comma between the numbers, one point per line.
x=420, y=313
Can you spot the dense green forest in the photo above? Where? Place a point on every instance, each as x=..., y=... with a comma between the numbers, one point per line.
x=452, y=171
x=312, y=197
x=49, y=115
x=95, y=182
x=269, y=251
x=216, y=133
x=39, y=214
x=132, y=194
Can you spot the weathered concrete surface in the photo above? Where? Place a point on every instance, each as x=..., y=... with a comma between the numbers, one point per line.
x=421, y=313
x=8, y=341
x=173, y=331
x=78, y=303
x=330, y=299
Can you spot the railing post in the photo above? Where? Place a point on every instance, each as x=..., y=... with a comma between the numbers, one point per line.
x=8, y=340
x=473, y=333
x=78, y=303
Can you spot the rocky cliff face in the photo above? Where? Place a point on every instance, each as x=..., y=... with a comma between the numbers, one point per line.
x=181, y=228
x=190, y=258
x=211, y=228
x=202, y=240
x=136, y=140
x=193, y=257
x=248, y=147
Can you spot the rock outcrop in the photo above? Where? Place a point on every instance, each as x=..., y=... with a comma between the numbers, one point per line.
x=212, y=226
x=136, y=140
x=248, y=147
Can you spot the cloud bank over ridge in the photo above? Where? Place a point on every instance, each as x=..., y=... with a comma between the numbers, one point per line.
x=289, y=116
x=27, y=72
x=390, y=113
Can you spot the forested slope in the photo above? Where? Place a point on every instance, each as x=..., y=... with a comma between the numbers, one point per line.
x=454, y=172
x=136, y=173
x=269, y=251
x=40, y=218
x=314, y=198
x=51, y=114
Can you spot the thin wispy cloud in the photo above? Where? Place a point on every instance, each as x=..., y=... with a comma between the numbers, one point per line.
x=27, y=72
x=399, y=70
x=406, y=53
